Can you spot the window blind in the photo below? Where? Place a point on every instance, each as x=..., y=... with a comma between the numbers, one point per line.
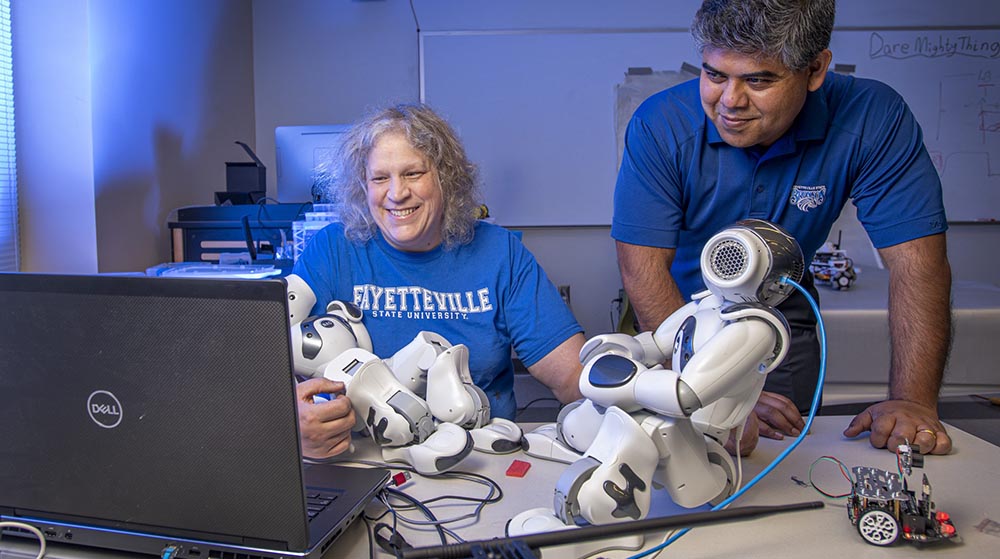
x=9, y=256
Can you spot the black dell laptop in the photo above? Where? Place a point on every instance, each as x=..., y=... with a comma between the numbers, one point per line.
x=158, y=416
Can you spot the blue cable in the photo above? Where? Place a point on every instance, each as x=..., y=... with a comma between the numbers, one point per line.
x=809, y=420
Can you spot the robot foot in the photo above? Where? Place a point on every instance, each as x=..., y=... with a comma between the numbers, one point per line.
x=536, y=521
x=544, y=442
x=442, y=451
x=499, y=436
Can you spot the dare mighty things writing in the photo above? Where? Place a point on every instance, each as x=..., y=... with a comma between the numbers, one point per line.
x=930, y=46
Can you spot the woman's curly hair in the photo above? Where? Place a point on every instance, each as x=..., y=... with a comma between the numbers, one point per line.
x=345, y=180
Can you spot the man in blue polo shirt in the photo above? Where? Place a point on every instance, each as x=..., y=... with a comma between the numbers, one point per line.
x=767, y=132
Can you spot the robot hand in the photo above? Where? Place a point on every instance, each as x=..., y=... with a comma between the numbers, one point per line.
x=544, y=442
x=572, y=433
x=642, y=348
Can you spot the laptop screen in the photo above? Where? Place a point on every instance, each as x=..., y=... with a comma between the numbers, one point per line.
x=151, y=404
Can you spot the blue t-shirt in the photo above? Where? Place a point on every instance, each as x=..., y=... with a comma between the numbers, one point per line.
x=489, y=294
x=680, y=183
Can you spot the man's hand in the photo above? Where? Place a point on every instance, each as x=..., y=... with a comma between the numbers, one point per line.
x=894, y=421
x=324, y=427
x=778, y=416
x=749, y=438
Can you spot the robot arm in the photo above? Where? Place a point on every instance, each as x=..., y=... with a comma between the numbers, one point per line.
x=641, y=347
x=451, y=394
x=648, y=348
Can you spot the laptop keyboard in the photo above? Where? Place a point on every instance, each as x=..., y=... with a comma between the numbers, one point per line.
x=317, y=500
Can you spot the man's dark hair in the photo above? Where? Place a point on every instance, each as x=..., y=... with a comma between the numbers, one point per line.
x=792, y=31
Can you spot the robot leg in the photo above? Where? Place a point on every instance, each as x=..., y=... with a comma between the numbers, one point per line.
x=451, y=395
x=623, y=382
x=393, y=415
x=411, y=363
x=694, y=469
x=613, y=481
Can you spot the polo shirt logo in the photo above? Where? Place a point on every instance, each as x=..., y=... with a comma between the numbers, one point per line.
x=806, y=198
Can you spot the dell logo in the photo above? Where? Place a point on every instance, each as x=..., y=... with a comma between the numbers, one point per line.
x=104, y=408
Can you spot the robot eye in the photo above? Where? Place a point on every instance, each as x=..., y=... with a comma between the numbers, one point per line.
x=353, y=311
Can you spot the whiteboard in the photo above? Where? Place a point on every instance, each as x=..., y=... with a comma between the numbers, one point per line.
x=951, y=81
x=536, y=109
x=536, y=112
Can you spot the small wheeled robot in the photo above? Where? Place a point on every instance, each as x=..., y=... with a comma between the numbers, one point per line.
x=831, y=266
x=884, y=509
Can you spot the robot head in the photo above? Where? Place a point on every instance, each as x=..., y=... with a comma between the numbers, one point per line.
x=300, y=298
x=748, y=260
x=317, y=340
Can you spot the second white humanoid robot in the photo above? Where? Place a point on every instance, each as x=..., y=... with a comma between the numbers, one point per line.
x=420, y=405
x=659, y=406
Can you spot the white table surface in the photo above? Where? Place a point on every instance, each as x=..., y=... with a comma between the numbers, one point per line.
x=857, y=329
x=965, y=484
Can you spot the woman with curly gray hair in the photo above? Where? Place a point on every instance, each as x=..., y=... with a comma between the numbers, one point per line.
x=410, y=253
x=429, y=135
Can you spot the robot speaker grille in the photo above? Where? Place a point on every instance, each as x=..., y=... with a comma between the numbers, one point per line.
x=729, y=259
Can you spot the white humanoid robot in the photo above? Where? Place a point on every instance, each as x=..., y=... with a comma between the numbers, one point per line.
x=420, y=405
x=642, y=423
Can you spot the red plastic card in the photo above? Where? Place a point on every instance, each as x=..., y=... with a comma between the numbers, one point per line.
x=518, y=468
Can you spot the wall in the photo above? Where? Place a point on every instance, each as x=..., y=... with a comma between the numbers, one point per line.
x=172, y=92
x=55, y=169
x=370, y=58
x=176, y=82
x=327, y=62
x=558, y=248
